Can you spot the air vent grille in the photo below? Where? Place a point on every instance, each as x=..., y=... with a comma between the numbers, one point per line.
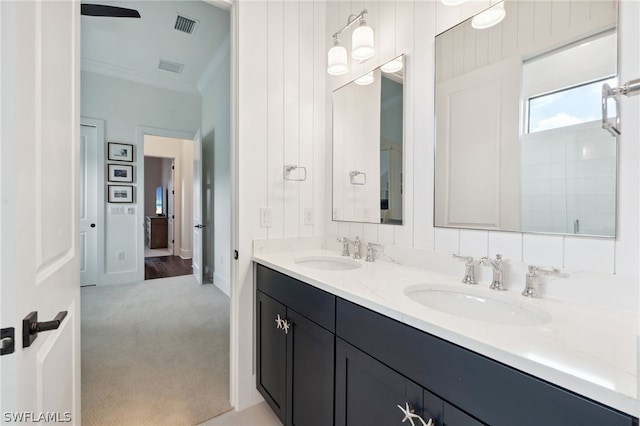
x=170, y=66
x=185, y=25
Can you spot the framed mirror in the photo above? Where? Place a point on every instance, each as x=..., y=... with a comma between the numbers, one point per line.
x=368, y=120
x=519, y=145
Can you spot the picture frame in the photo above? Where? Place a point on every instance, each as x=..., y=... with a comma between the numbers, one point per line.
x=119, y=173
x=120, y=152
x=120, y=193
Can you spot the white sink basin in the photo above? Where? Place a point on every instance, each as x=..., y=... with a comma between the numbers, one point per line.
x=476, y=305
x=328, y=263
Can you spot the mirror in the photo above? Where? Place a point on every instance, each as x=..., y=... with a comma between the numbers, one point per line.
x=519, y=146
x=159, y=204
x=368, y=119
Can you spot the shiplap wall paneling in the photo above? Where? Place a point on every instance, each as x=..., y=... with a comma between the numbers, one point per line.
x=276, y=120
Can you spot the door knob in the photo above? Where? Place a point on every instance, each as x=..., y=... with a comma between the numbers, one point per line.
x=199, y=226
x=31, y=327
x=93, y=225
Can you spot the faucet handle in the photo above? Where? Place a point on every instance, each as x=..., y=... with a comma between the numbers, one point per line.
x=345, y=245
x=469, y=270
x=371, y=248
x=467, y=259
x=531, y=281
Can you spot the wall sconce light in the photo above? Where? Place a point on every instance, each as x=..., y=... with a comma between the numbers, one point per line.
x=362, y=47
x=452, y=2
x=490, y=17
x=392, y=66
x=365, y=79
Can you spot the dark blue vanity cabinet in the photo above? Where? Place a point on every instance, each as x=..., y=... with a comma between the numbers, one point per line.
x=343, y=364
x=295, y=348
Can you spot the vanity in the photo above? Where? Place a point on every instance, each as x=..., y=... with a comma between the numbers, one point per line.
x=343, y=341
x=340, y=341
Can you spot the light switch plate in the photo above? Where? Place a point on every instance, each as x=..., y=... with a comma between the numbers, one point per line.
x=265, y=217
x=308, y=215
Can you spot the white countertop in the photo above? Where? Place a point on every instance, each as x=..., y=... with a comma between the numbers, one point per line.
x=587, y=350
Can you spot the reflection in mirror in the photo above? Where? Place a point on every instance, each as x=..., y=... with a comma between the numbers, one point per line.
x=367, y=146
x=519, y=146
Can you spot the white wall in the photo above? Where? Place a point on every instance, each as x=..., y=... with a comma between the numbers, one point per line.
x=124, y=105
x=216, y=179
x=284, y=116
x=282, y=99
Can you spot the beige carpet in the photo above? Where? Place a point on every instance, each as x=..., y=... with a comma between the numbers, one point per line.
x=154, y=353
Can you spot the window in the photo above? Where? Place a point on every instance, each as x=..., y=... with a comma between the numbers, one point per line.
x=575, y=105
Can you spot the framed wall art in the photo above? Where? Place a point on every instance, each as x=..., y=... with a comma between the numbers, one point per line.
x=120, y=152
x=119, y=173
x=120, y=194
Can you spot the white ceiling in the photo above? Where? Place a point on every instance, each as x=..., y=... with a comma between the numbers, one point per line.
x=131, y=48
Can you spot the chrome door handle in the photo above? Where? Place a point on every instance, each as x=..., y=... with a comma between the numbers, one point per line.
x=31, y=327
x=199, y=226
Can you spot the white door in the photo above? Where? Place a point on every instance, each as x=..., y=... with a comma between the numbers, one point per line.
x=197, y=208
x=39, y=220
x=88, y=205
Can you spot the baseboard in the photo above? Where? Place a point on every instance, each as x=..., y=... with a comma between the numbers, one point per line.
x=127, y=277
x=222, y=283
x=186, y=254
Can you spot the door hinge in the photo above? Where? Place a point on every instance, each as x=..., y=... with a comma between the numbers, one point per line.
x=173, y=167
x=173, y=241
x=7, y=340
x=235, y=254
x=173, y=192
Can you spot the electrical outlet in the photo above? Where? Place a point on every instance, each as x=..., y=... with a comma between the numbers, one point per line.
x=120, y=255
x=131, y=210
x=265, y=217
x=308, y=215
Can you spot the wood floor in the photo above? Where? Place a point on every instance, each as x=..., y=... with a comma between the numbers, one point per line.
x=166, y=266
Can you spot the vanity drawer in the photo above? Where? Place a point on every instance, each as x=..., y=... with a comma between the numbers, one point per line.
x=490, y=391
x=315, y=304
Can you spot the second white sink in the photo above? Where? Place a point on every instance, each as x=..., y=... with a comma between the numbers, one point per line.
x=328, y=263
x=475, y=305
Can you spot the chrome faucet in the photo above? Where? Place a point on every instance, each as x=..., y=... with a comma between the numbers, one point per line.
x=496, y=264
x=371, y=250
x=531, y=280
x=469, y=270
x=345, y=246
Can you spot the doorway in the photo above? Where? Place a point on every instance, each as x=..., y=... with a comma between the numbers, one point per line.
x=168, y=205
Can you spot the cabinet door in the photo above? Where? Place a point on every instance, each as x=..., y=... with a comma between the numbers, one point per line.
x=271, y=353
x=455, y=417
x=368, y=392
x=310, y=368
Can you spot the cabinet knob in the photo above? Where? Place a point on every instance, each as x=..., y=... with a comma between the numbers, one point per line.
x=410, y=414
x=279, y=322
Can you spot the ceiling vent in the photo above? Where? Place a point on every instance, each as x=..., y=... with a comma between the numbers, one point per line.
x=185, y=25
x=170, y=66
